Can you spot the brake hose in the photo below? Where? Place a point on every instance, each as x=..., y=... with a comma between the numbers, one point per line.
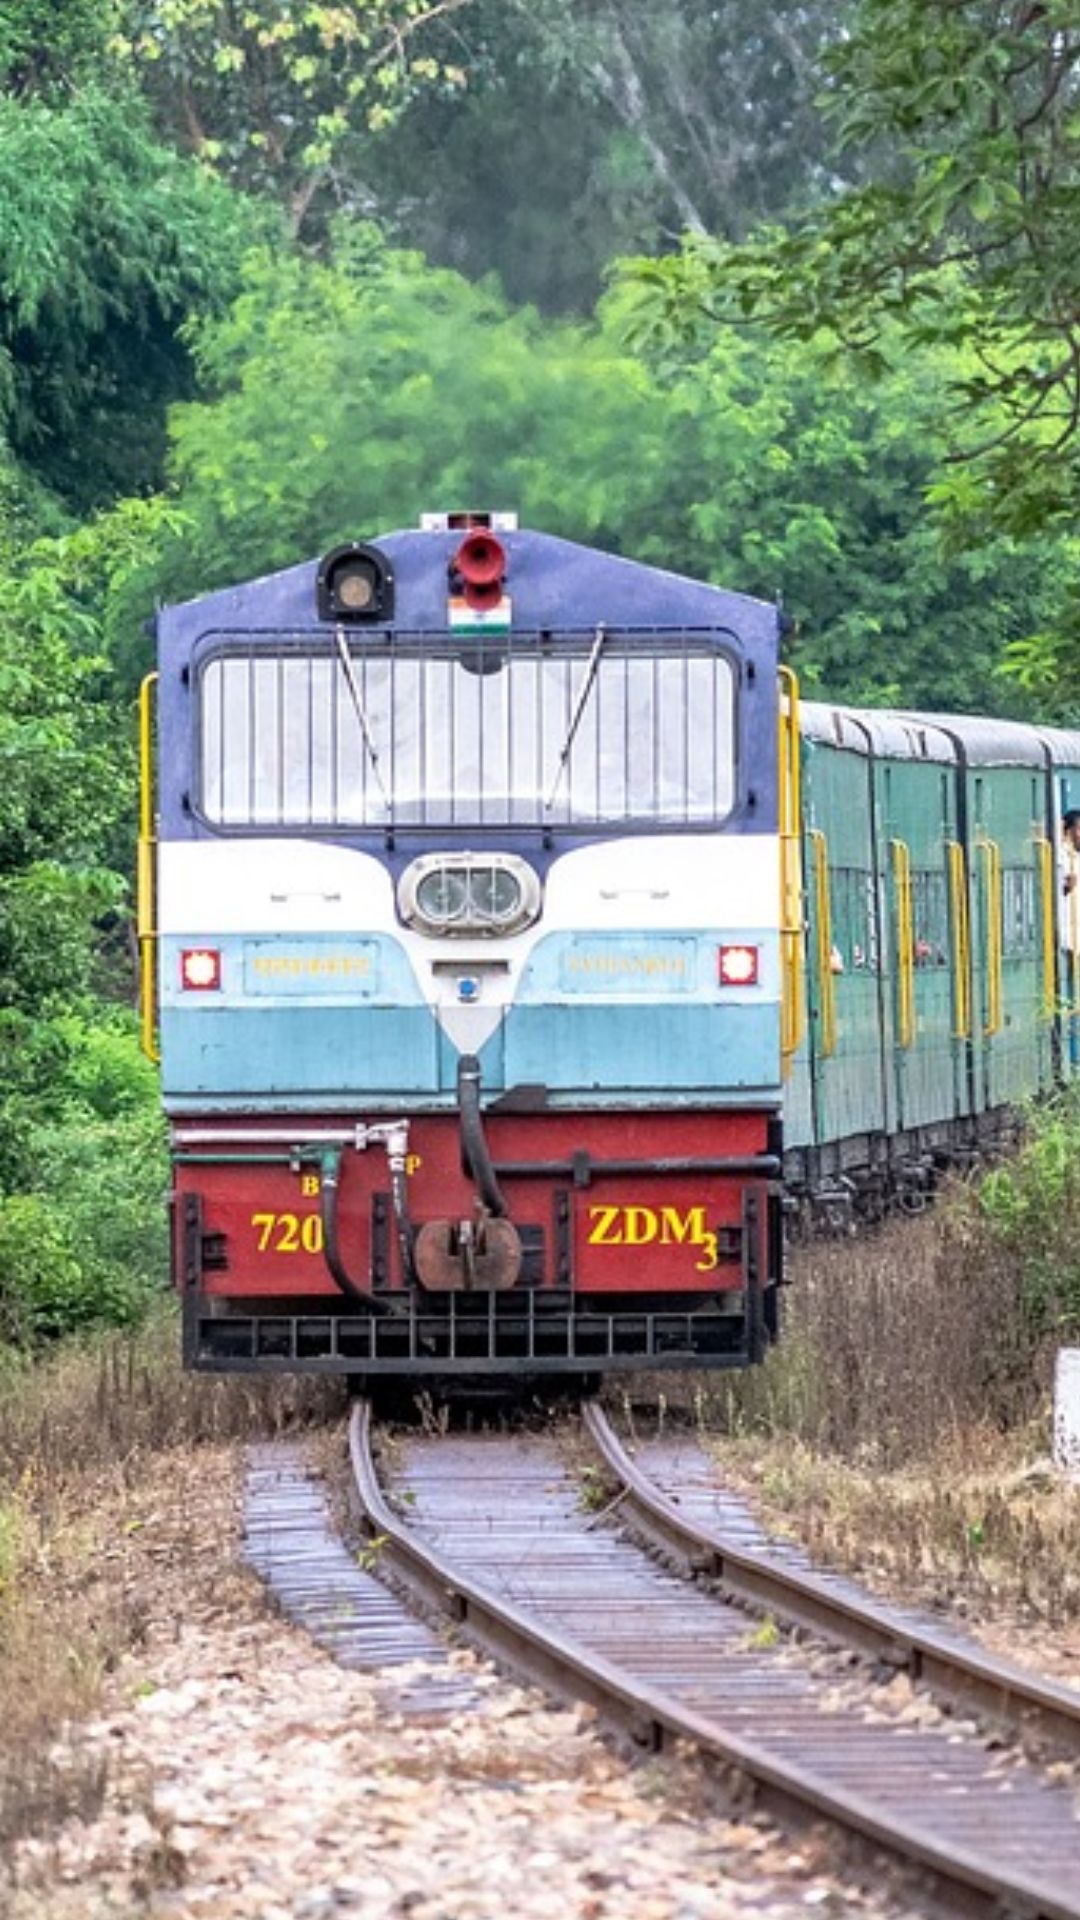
x=399, y=1200
x=474, y=1146
x=329, y=1186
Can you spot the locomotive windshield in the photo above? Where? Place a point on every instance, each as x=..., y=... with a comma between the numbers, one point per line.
x=493, y=734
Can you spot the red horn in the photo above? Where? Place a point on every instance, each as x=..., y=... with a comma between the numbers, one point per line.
x=480, y=565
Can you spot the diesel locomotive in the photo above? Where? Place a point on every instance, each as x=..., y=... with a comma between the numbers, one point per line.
x=462, y=953
x=517, y=950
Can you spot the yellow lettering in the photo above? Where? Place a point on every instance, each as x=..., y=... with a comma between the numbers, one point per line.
x=602, y=1232
x=413, y=1163
x=710, y=1256
x=639, y=1226
x=642, y=1226
x=682, y=1227
x=290, y=1232
x=265, y=1224
x=310, y=1183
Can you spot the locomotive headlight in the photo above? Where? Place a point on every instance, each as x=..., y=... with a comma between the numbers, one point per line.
x=443, y=896
x=355, y=582
x=495, y=893
x=356, y=588
x=469, y=893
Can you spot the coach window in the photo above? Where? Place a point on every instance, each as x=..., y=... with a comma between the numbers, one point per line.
x=513, y=735
x=930, y=910
x=1020, y=915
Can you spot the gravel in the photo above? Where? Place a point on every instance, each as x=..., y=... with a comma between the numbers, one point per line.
x=249, y=1778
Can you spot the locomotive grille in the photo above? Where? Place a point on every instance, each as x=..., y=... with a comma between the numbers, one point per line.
x=421, y=731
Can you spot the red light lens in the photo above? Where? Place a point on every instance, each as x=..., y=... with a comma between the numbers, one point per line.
x=738, y=966
x=200, y=969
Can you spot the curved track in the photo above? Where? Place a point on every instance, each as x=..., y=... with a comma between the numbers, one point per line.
x=497, y=1537
x=668, y=1501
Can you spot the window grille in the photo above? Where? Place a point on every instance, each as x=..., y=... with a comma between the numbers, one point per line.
x=474, y=734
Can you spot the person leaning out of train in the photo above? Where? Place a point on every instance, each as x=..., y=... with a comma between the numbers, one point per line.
x=1070, y=847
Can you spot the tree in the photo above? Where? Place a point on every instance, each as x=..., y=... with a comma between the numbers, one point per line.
x=343, y=399
x=108, y=243
x=719, y=98
x=284, y=96
x=47, y=50
x=970, y=239
x=592, y=130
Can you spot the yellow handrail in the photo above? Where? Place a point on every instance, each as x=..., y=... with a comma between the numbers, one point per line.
x=1044, y=854
x=823, y=929
x=961, y=939
x=991, y=853
x=790, y=815
x=905, y=944
x=145, y=875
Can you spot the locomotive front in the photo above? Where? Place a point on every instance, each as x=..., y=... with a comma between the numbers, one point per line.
x=461, y=915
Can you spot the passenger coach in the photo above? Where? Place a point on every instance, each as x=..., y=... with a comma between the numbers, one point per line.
x=462, y=946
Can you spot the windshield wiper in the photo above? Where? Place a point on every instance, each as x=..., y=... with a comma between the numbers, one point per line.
x=363, y=722
x=575, y=718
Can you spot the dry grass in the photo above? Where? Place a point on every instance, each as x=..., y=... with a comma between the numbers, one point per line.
x=902, y=1427
x=895, y=1345
x=88, y=1441
x=973, y=1528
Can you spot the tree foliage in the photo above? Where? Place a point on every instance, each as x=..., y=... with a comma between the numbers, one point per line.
x=108, y=243
x=343, y=399
x=284, y=95
x=81, y=1162
x=721, y=100
x=969, y=241
x=589, y=131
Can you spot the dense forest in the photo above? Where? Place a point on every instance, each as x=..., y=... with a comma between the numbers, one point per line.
x=786, y=298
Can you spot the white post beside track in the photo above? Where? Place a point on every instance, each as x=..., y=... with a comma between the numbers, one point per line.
x=1067, y=1411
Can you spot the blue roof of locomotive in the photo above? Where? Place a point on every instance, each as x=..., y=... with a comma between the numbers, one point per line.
x=553, y=583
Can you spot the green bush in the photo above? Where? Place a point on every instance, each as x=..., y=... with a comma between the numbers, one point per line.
x=43, y=1287
x=84, y=1242
x=1029, y=1209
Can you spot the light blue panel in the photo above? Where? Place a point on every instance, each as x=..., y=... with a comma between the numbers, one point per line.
x=684, y=1046
x=619, y=963
x=344, y=969
x=301, y=1050
x=322, y=969
x=298, y=1014
x=631, y=965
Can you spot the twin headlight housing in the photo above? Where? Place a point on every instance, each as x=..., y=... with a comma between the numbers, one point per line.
x=483, y=894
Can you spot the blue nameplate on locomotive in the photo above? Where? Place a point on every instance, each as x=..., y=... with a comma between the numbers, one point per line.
x=631, y=963
x=309, y=968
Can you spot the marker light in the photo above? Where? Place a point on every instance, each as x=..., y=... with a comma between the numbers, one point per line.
x=737, y=966
x=200, y=969
x=478, y=569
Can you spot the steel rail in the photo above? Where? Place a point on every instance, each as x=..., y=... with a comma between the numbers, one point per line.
x=652, y=1717
x=962, y=1675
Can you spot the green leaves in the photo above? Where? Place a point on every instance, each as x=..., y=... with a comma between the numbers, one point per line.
x=107, y=242
x=282, y=96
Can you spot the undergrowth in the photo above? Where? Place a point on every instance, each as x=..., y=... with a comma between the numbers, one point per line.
x=902, y=1426
x=86, y=1436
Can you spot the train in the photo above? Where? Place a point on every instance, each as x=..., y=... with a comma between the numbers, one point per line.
x=522, y=956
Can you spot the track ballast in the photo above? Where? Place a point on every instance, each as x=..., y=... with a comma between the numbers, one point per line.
x=499, y=1538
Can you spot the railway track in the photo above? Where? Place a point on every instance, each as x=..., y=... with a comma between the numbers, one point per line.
x=498, y=1539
